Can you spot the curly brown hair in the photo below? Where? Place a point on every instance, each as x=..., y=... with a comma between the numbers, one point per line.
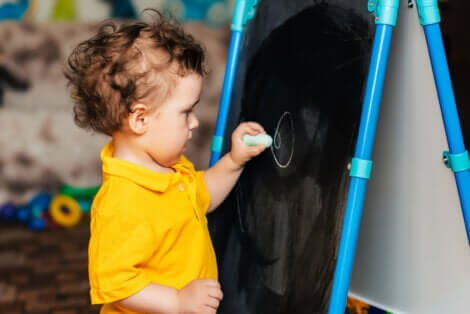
x=123, y=64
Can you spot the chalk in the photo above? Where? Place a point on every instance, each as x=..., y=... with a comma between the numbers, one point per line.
x=252, y=140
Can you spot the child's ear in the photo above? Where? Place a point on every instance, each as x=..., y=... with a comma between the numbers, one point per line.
x=139, y=119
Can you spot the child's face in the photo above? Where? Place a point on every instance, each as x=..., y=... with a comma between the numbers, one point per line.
x=173, y=121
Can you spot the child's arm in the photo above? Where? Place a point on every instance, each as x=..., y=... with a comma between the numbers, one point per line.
x=200, y=296
x=153, y=299
x=221, y=177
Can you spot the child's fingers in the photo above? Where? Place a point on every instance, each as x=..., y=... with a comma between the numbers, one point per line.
x=253, y=126
x=216, y=293
x=209, y=310
x=256, y=150
x=242, y=130
x=212, y=303
x=211, y=283
x=261, y=148
x=251, y=131
x=256, y=126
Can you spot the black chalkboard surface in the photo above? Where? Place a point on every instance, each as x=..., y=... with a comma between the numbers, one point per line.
x=302, y=75
x=454, y=27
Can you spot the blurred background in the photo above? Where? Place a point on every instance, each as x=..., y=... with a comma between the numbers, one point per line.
x=41, y=148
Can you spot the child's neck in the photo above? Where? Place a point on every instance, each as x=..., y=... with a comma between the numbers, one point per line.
x=127, y=150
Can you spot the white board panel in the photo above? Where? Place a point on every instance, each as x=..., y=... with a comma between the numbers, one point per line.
x=412, y=255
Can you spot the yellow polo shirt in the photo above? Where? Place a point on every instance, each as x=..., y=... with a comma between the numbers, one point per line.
x=147, y=227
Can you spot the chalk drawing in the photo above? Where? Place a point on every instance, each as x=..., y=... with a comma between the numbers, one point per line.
x=284, y=140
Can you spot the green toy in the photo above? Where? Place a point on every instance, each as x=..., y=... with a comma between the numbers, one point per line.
x=78, y=192
x=64, y=10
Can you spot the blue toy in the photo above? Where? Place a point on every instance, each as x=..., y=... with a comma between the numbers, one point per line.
x=8, y=212
x=33, y=214
x=13, y=10
x=45, y=211
x=85, y=205
x=122, y=9
x=37, y=224
x=22, y=214
x=213, y=12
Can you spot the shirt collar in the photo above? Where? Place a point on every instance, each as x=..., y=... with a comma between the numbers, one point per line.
x=140, y=175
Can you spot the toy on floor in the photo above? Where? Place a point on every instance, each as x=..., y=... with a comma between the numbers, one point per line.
x=46, y=211
x=8, y=212
x=355, y=306
x=65, y=211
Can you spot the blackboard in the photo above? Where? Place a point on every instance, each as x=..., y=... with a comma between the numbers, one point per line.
x=302, y=75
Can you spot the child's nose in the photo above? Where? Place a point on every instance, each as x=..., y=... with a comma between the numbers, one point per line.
x=194, y=122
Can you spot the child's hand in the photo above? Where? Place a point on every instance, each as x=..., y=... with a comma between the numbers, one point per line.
x=200, y=297
x=241, y=153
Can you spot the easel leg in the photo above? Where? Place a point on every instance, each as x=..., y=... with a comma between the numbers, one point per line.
x=449, y=116
x=359, y=175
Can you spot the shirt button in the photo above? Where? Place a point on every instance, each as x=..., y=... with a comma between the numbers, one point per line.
x=181, y=187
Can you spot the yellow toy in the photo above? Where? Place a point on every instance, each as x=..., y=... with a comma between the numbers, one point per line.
x=65, y=211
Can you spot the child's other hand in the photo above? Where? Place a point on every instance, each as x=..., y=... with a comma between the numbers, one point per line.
x=200, y=297
x=241, y=153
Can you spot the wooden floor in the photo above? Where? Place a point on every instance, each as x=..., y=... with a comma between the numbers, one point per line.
x=44, y=272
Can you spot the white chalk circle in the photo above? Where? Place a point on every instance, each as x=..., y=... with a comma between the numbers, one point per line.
x=283, y=141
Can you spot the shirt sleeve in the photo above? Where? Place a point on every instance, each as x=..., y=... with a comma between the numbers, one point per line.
x=203, y=195
x=119, y=247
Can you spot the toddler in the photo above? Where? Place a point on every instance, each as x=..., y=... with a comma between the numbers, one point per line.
x=150, y=249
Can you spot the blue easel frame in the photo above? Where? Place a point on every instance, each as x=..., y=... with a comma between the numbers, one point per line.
x=244, y=10
x=386, y=12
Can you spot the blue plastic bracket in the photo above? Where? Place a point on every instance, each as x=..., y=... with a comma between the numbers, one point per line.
x=217, y=144
x=385, y=11
x=428, y=11
x=457, y=162
x=360, y=168
x=243, y=11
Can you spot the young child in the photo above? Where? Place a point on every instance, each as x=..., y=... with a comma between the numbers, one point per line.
x=150, y=250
